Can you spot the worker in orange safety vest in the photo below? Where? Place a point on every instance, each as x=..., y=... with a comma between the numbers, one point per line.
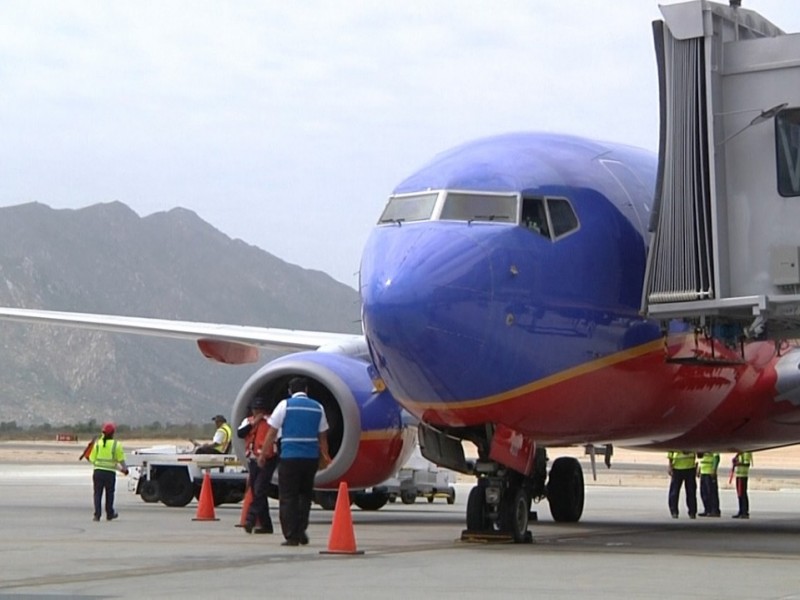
x=254, y=431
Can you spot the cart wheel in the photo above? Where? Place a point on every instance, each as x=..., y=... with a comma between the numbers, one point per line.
x=430, y=499
x=408, y=497
x=451, y=496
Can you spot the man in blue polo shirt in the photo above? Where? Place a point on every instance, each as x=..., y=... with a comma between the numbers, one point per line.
x=304, y=439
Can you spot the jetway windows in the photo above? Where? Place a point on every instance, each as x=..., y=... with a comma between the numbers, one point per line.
x=787, y=141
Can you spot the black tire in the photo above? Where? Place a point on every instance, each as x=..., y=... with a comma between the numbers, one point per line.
x=408, y=496
x=148, y=491
x=477, y=515
x=565, y=490
x=371, y=500
x=451, y=496
x=430, y=499
x=514, y=512
x=175, y=486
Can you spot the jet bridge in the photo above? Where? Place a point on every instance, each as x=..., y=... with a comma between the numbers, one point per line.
x=724, y=252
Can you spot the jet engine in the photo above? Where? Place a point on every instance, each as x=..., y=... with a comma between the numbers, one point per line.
x=368, y=438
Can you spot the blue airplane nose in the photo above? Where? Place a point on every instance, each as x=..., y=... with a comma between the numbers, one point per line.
x=426, y=295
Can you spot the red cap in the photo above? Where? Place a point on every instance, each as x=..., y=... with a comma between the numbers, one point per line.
x=109, y=428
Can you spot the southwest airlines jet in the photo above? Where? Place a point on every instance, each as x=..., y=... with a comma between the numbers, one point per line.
x=501, y=294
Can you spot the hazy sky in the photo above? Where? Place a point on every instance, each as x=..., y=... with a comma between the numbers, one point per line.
x=287, y=124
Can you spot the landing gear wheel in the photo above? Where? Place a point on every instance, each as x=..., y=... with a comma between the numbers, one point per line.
x=514, y=511
x=371, y=500
x=176, y=488
x=477, y=515
x=565, y=491
x=149, y=492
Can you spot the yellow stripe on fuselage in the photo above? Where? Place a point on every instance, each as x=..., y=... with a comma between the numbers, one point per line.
x=582, y=369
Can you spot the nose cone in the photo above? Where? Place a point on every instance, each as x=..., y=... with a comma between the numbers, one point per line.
x=426, y=296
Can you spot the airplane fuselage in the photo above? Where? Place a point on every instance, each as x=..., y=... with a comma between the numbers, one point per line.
x=503, y=285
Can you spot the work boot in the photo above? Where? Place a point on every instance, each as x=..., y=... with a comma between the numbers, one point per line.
x=267, y=529
x=113, y=516
x=248, y=528
x=96, y=518
x=674, y=515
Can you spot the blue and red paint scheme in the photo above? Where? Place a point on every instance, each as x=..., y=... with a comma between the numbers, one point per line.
x=487, y=322
x=486, y=329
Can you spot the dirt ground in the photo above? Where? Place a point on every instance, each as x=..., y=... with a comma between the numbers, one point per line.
x=629, y=467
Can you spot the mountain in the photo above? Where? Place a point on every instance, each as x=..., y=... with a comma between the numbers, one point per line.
x=172, y=265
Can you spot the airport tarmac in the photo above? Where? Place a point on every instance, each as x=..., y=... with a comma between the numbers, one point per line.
x=625, y=546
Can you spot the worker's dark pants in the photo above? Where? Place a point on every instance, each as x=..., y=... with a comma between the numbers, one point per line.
x=685, y=477
x=741, y=492
x=259, y=479
x=104, y=481
x=295, y=491
x=709, y=492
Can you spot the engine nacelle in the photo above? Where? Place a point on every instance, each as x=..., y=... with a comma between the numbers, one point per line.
x=368, y=438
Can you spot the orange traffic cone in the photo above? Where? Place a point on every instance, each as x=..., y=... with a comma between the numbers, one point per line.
x=205, y=506
x=248, y=500
x=342, y=539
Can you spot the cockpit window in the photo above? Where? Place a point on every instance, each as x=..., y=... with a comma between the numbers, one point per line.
x=417, y=207
x=561, y=216
x=462, y=206
x=549, y=217
x=534, y=216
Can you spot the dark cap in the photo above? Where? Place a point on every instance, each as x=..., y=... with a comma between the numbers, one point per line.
x=219, y=418
x=258, y=403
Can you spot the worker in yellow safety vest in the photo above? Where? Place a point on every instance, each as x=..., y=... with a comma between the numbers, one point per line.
x=709, y=487
x=106, y=455
x=682, y=466
x=741, y=470
x=223, y=437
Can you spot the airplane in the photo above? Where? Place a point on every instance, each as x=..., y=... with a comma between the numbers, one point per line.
x=501, y=292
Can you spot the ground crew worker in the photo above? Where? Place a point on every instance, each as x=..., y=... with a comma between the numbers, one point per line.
x=682, y=472
x=106, y=455
x=741, y=470
x=304, y=445
x=223, y=437
x=254, y=430
x=709, y=487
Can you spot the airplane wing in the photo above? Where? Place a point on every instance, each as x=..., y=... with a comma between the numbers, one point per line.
x=233, y=344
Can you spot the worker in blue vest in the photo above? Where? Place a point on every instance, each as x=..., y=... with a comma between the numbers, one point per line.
x=682, y=466
x=106, y=455
x=709, y=486
x=741, y=470
x=304, y=445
